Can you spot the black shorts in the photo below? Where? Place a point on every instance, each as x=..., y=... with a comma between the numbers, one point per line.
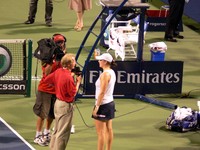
x=106, y=111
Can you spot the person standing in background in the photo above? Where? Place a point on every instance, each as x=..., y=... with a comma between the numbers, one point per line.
x=79, y=6
x=104, y=109
x=176, y=8
x=33, y=11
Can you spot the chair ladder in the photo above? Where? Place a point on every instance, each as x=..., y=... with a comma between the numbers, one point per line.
x=98, y=36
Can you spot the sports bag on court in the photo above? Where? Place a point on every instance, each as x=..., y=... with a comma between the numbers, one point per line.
x=183, y=119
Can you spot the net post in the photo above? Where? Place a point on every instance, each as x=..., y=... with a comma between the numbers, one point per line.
x=30, y=43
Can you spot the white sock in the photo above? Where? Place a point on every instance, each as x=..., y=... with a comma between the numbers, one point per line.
x=46, y=131
x=38, y=133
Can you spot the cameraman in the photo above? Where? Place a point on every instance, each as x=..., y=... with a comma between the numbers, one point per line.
x=45, y=97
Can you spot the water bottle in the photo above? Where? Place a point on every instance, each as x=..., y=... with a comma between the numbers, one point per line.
x=198, y=104
x=97, y=52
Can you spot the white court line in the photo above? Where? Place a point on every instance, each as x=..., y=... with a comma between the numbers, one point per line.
x=10, y=78
x=17, y=134
x=36, y=78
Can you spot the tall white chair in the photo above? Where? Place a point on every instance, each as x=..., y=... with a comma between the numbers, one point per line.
x=122, y=37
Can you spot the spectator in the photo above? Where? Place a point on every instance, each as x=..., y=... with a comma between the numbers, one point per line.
x=33, y=11
x=176, y=8
x=79, y=6
x=66, y=90
x=104, y=109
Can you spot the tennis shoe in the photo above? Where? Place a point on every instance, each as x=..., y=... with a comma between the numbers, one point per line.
x=29, y=21
x=40, y=141
x=47, y=138
x=73, y=129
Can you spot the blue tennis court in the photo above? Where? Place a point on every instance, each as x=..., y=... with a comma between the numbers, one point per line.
x=10, y=139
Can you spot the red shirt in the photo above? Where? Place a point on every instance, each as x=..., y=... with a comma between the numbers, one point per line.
x=43, y=86
x=64, y=84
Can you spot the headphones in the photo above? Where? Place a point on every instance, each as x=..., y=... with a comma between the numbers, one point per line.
x=57, y=38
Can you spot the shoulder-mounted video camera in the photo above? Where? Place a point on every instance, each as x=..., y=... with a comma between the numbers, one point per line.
x=47, y=50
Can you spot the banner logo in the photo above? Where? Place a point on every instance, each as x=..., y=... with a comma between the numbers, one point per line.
x=148, y=77
x=5, y=60
x=14, y=87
